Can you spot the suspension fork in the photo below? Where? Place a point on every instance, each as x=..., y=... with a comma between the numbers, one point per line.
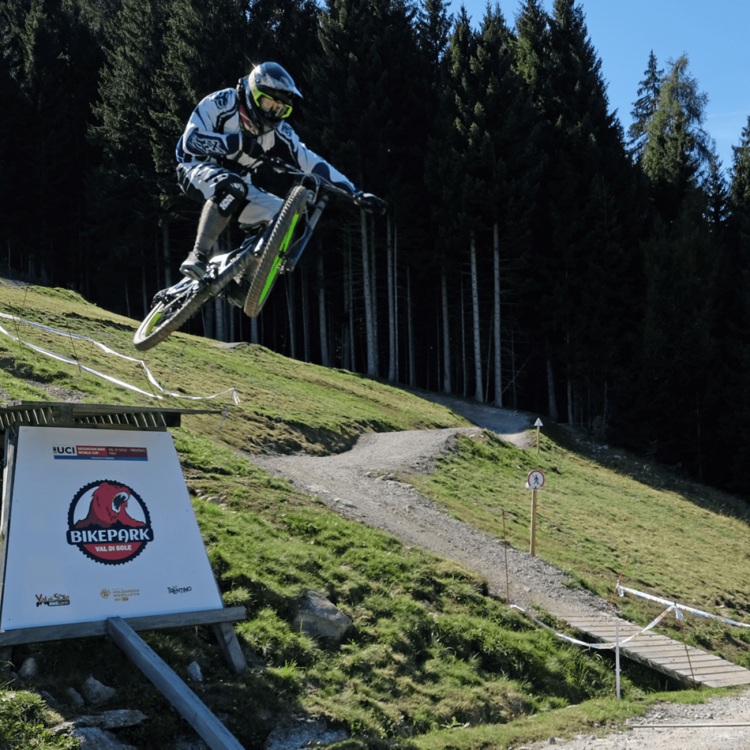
x=296, y=250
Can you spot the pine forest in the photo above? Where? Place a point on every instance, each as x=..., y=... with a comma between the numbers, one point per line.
x=539, y=253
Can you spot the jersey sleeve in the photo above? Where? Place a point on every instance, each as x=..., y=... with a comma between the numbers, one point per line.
x=204, y=135
x=308, y=161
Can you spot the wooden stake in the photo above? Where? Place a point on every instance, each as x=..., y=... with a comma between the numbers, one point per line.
x=533, y=522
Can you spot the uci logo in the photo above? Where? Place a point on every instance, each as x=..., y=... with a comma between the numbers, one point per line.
x=63, y=450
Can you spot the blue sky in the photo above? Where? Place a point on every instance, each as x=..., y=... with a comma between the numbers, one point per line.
x=715, y=35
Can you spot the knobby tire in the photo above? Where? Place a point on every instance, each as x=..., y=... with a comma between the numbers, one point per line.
x=274, y=250
x=163, y=319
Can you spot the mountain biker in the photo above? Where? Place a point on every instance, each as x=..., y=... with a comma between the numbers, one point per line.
x=225, y=138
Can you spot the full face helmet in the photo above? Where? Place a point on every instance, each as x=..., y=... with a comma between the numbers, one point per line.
x=267, y=95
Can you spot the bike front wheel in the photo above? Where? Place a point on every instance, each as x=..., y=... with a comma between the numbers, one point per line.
x=168, y=315
x=274, y=250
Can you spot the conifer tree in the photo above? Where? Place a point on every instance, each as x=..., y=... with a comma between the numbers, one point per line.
x=51, y=59
x=717, y=197
x=124, y=191
x=576, y=252
x=677, y=145
x=365, y=111
x=644, y=108
x=203, y=52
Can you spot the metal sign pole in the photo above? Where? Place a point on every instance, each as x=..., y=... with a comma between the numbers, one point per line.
x=617, y=656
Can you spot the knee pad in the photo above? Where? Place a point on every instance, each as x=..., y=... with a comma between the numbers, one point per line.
x=229, y=194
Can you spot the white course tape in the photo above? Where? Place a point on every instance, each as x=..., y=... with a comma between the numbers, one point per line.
x=679, y=608
x=599, y=646
x=107, y=350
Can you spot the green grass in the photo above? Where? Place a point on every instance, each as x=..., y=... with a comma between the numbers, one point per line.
x=25, y=720
x=689, y=545
x=431, y=660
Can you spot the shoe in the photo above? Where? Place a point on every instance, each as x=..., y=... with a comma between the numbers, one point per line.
x=194, y=266
x=236, y=294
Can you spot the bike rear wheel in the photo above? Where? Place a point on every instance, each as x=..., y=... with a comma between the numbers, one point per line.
x=274, y=250
x=166, y=317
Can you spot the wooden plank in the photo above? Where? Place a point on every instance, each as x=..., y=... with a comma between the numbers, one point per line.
x=717, y=671
x=728, y=682
x=195, y=712
x=230, y=646
x=658, y=652
x=99, y=627
x=94, y=415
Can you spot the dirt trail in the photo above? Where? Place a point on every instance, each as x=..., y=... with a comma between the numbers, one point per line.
x=360, y=484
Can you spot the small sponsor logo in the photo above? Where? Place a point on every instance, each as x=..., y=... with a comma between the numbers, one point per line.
x=124, y=595
x=179, y=589
x=104, y=593
x=228, y=200
x=109, y=522
x=99, y=452
x=56, y=600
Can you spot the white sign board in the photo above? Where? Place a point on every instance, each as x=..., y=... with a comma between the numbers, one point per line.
x=535, y=480
x=101, y=526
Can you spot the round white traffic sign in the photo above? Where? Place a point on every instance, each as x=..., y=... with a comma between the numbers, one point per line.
x=535, y=480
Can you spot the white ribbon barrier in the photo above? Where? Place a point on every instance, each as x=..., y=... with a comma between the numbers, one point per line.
x=679, y=608
x=107, y=350
x=599, y=646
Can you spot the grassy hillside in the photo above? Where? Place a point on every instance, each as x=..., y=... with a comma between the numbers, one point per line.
x=431, y=661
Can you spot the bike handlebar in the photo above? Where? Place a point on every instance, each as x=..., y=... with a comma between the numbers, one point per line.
x=368, y=201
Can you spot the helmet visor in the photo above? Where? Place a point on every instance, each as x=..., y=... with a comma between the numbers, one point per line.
x=274, y=107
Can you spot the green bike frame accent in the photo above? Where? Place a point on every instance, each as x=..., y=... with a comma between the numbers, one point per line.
x=277, y=262
x=154, y=321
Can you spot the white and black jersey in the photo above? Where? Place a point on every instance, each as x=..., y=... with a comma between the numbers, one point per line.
x=213, y=136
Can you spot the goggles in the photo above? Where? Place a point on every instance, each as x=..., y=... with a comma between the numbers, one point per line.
x=273, y=107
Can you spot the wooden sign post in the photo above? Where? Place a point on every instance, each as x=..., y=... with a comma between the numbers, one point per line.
x=534, y=481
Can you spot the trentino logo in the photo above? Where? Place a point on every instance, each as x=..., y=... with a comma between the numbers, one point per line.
x=109, y=522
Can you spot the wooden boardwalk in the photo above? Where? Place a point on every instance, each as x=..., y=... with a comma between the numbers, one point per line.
x=658, y=652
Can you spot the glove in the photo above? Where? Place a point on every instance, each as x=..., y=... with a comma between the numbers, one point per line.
x=371, y=203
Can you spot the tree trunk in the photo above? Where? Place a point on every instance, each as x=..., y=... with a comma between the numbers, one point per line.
x=305, y=317
x=478, y=390
x=410, y=332
x=372, y=362
x=571, y=409
x=144, y=295
x=446, y=333
x=464, y=361
x=254, y=337
x=395, y=298
x=391, y=308
x=373, y=278
x=497, y=320
x=551, y=392
x=289, y=279
x=348, y=312
x=165, y=249
x=219, y=317
x=325, y=358
x=208, y=321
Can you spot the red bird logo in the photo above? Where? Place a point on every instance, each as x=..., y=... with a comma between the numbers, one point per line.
x=108, y=506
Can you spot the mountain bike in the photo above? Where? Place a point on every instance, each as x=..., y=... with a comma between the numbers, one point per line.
x=256, y=264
